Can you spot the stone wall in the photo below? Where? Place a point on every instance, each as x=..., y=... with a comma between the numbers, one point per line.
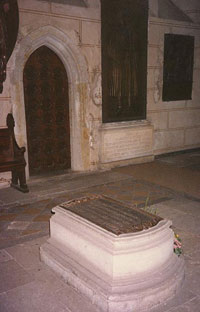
x=74, y=33
x=126, y=141
x=176, y=123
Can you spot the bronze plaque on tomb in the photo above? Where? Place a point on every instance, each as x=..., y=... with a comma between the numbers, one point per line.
x=111, y=215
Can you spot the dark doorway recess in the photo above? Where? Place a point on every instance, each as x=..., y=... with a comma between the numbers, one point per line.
x=124, y=59
x=47, y=112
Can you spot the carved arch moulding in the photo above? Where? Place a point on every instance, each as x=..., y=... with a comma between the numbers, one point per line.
x=76, y=69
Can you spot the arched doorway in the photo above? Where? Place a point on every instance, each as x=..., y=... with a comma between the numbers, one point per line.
x=47, y=112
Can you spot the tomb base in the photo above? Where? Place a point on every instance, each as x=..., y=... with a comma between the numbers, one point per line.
x=128, y=272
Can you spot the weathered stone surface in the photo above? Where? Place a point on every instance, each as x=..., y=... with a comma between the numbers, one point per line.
x=120, y=141
x=113, y=269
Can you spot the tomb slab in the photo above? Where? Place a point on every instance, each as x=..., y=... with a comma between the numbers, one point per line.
x=121, y=258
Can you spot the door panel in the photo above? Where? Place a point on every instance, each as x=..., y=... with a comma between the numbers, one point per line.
x=47, y=112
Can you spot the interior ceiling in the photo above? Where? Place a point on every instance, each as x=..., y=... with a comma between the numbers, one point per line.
x=80, y=3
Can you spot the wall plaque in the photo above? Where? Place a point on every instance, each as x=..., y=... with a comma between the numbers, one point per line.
x=178, y=67
x=124, y=59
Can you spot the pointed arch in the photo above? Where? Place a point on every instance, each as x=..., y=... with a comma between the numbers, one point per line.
x=76, y=68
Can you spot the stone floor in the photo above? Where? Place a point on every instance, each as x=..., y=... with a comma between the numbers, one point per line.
x=169, y=186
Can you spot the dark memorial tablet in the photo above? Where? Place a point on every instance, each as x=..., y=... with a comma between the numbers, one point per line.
x=111, y=215
x=124, y=30
x=178, y=67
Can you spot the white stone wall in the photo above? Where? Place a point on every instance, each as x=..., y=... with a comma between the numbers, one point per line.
x=176, y=123
x=74, y=33
x=126, y=141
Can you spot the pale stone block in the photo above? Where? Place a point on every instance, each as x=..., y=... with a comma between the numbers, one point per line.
x=155, y=56
x=196, y=79
x=158, y=119
x=154, y=98
x=69, y=10
x=36, y=5
x=184, y=118
x=127, y=272
x=188, y=31
x=155, y=78
x=93, y=58
x=30, y=22
x=91, y=33
x=164, y=140
x=18, y=277
x=74, y=301
x=192, y=136
x=126, y=140
x=195, y=102
x=26, y=256
x=197, y=58
x=5, y=256
x=155, y=34
x=127, y=162
x=154, y=101
x=67, y=25
x=105, y=254
x=5, y=108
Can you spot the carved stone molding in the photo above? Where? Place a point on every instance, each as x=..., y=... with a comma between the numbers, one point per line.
x=96, y=92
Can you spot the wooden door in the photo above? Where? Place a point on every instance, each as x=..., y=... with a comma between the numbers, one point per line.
x=47, y=112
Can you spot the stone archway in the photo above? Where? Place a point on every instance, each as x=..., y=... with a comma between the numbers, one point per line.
x=76, y=69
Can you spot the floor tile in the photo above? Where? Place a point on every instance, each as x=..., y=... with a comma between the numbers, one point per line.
x=29, y=232
x=18, y=225
x=5, y=256
x=8, y=217
x=42, y=218
x=12, y=276
x=26, y=257
x=74, y=301
x=31, y=211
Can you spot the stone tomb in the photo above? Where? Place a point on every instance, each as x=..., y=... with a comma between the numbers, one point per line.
x=120, y=257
